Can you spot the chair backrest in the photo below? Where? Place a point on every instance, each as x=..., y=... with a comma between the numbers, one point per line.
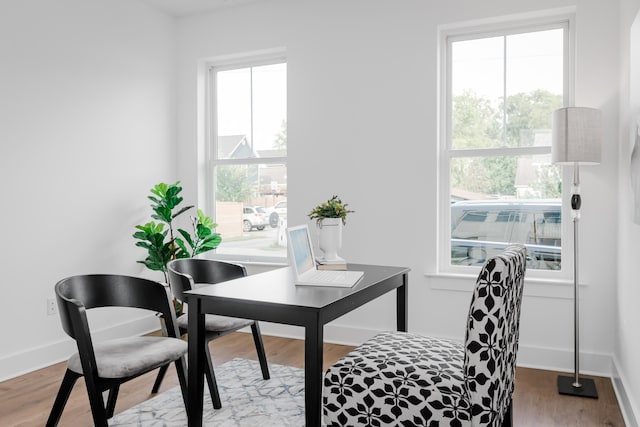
x=186, y=272
x=77, y=294
x=491, y=341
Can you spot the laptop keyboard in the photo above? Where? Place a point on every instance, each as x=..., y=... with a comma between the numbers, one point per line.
x=328, y=276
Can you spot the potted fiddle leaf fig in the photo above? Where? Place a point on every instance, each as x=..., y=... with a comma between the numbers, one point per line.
x=166, y=244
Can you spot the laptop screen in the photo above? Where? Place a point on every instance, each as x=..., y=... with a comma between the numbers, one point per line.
x=301, y=251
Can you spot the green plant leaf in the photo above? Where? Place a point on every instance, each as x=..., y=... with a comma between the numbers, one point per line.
x=212, y=241
x=143, y=245
x=206, y=220
x=162, y=213
x=160, y=190
x=172, y=202
x=184, y=209
x=150, y=227
x=209, y=244
x=186, y=236
x=171, y=199
x=202, y=231
x=154, y=200
x=140, y=235
x=156, y=239
x=182, y=249
x=159, y=253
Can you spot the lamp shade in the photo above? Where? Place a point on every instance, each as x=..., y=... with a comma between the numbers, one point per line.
x=577, y=135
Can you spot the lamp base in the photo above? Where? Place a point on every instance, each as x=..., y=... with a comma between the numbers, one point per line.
x=588, y=389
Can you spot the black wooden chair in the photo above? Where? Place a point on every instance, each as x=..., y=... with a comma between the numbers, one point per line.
x=184, y=275
x=105, y=365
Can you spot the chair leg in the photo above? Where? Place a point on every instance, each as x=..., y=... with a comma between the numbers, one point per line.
x=98, y=410
x=507, y=421
x=161, y=372
x=68, y=381
x=262, y=357
x=211, y=380
x=111, y=401
x=181, y=369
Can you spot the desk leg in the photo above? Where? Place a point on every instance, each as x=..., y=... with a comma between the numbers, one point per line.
x=313, y=341
x=401, y=305
x=196, y=364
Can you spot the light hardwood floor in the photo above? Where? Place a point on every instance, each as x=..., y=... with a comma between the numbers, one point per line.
x=25, y=401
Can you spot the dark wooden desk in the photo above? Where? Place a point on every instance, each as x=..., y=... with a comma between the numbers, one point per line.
x=272, y=297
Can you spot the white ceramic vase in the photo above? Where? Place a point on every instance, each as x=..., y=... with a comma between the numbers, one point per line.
x=330, y=238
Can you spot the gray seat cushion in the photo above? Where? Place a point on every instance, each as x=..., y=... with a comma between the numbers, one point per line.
x=215, y=323
x=124, y=357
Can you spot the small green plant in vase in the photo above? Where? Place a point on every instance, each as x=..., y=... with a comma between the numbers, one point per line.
x=166, y=244
x=332, y=208
x=330, y=217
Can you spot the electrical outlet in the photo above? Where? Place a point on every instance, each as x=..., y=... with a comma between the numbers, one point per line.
x=52, y=308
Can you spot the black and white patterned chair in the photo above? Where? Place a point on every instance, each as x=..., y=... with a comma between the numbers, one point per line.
x=404, y=379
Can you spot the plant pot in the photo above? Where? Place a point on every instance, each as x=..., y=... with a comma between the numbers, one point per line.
x=330, y=238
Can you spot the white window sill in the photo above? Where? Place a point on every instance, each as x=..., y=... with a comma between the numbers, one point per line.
x=533, y=286
x=274, y=262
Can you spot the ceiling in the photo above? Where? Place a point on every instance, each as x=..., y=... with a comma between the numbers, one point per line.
x=190, y=7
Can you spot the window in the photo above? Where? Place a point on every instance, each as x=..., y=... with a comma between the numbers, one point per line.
x=247, y=153
x=498, y=185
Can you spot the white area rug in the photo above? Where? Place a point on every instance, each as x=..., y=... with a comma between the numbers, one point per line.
x=247, y=400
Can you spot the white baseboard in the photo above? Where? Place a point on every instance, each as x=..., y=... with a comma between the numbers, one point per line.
x=17, y=364
x=554, y=359
x=630, y=413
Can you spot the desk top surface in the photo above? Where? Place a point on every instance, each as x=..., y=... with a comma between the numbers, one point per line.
x=277, y=287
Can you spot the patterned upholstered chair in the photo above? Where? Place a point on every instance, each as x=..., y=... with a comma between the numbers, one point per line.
x=404, y=379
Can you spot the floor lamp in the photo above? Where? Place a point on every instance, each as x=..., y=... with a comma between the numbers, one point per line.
x=576, y=140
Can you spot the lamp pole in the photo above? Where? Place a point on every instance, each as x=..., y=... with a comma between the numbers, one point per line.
x=576, y=202
x=573, y=385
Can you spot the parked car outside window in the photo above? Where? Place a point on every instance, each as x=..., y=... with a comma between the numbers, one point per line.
x=279, y=210
x=254, y=217
x=483, y=228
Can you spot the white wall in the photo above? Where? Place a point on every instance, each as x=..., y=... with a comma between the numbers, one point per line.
x=87, y=126
x=627, y=375
x=362, y=122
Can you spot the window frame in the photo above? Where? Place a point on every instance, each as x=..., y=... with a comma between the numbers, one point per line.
x=471, y=31
x=211, y=68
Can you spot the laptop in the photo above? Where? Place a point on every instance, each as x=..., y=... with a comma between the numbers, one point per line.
x=304, y=266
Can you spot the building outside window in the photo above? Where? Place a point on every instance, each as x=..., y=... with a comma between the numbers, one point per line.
x=497, y=183
x=246, y=184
